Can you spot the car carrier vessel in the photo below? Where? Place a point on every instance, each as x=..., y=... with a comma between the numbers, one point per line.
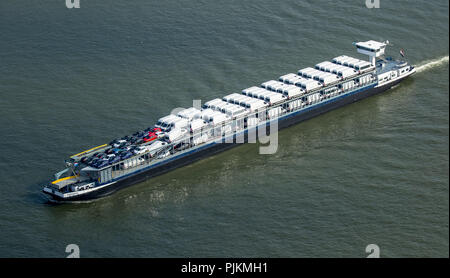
x=197, y=132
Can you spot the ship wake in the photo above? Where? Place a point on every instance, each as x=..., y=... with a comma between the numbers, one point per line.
x=432, y=64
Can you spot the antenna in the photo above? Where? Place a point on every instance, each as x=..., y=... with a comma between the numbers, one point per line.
x=387, y=42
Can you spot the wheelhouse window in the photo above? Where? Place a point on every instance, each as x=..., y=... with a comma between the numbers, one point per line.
x=366, y=49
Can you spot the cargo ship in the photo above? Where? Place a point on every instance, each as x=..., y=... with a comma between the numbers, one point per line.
x=220, y=124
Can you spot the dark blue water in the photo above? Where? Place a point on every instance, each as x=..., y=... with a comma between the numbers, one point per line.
x=372, y=172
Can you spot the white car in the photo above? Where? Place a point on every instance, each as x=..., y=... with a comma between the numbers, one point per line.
x=155, y=146
x=175, y=134
x=117, y=144
x=165, y=154
x=140, y=150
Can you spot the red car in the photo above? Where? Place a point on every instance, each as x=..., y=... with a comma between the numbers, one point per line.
x=155, y=130
x=152, y=135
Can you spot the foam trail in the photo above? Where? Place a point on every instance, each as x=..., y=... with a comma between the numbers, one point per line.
x=431, y=64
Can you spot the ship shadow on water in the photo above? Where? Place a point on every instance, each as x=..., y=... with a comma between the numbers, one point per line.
x=204, y=176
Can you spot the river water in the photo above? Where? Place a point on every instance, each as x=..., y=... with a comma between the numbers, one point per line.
x=374, y=172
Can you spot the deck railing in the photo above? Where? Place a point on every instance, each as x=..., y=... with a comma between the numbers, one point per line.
x=234, y=128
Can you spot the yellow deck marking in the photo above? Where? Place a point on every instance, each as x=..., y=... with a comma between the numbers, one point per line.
x=62, y=179
x=104, y=145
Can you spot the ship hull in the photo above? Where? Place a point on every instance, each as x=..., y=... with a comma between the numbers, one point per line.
x=220, y=147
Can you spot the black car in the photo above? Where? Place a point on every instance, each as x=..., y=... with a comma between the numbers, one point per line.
x=88, y=159
x=113, y=142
